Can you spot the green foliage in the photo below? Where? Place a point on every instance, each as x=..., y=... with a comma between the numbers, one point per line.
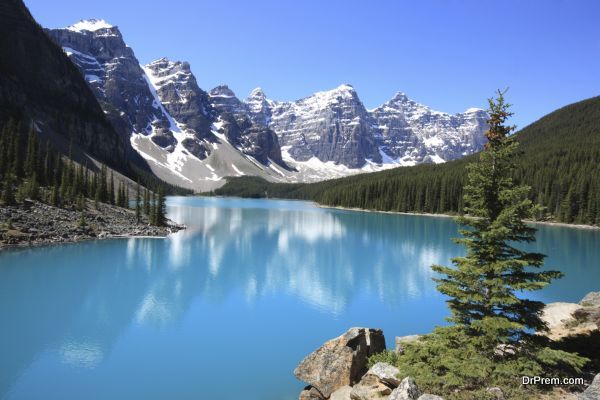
x=492, y=340
x=47, y=175
x=387, y=356
x=482, y=287
x=559, y=157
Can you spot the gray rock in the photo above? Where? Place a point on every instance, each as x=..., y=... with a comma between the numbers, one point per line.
x=370, y=388
x=593, y=391
x=386, y=373
x=401, y=340
x=592, y=299
x=342, y=393
x=427, y=396
x=341, y=361
x=408, y=390
x=250, y=138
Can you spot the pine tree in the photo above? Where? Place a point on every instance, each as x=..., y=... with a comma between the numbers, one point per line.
x=152, y=215
x=160, y=207
x=120, y=195
x=31, y=160
x=111, y=189
x=492, y=337
x=8, y=192
x=138, y=206
x=146, y=208
x=33, y=187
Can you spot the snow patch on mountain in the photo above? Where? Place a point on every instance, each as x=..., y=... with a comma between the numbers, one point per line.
x=90, y=25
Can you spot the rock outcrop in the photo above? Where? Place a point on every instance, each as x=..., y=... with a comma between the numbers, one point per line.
x=593, y=391
x=341, y=361
x=565, y=319
x=407, y=390
x=592, y=299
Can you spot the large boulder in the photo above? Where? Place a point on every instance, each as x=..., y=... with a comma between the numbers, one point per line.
x=341, y=361
x=408, y=390
x=593, y=391
x=592, y=299
x=428, y=396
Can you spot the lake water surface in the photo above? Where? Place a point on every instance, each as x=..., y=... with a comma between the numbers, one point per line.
x=226, y=309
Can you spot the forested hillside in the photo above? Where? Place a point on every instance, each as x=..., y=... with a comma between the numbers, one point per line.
x=559, y=157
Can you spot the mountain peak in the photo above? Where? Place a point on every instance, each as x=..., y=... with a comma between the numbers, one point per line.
x=221, y=91
x=91, y=25
x=473, y=110
x=345, y=87
x=258, y=93
x=400, y=96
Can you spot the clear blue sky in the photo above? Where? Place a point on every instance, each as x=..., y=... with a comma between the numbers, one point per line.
x=447, y=54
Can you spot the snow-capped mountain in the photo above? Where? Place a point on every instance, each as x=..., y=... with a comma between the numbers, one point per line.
x=168, y=118
x=196, y=139
x=334, y=126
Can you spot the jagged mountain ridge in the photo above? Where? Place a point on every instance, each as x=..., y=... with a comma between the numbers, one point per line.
x=40, y=87
x=335, y=126
x=183, y=131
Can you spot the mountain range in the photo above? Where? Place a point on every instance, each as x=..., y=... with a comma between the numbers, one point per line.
x=195, y=138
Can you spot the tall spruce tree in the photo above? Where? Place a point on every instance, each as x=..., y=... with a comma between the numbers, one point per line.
x=160, y=207
x=491, y=340
x=138, y=206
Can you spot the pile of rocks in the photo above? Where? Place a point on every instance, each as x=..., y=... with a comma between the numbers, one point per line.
x=338, y=371
x=34, y=223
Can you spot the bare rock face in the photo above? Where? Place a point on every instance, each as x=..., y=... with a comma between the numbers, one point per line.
x=592, y=299
x=370, y=388
x=408, y=390
x=593, y=391
x=341, y=361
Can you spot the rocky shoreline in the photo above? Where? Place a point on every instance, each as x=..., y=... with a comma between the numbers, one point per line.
x=36, y=224
x=338, y=370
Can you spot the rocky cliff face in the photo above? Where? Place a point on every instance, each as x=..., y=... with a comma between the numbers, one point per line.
x=39, y=85
x=114, y=74
x=253, y=138
x=412, y=133
x=334, y=126
x=331, y=126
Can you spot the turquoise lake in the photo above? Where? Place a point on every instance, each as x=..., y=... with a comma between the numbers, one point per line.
x=227, y=308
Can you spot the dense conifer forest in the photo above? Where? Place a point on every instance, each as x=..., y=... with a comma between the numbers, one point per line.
x=558, y=156
x=32, y=170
